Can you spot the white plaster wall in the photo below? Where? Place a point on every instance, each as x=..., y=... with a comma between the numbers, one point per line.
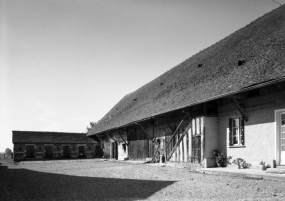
x=211, y=140
x=121, y=153
x=259, y=131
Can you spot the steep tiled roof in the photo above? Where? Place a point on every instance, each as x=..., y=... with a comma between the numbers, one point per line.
x=49, y=137
x=251, y=56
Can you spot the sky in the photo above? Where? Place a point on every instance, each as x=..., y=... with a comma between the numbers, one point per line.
x=65, y=63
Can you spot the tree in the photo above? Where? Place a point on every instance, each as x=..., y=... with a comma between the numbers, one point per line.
x=8, y=153
x=92, y=124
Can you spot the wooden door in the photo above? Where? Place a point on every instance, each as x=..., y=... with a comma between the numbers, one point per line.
x=81, y=151
x=282, y=138
x=66, y=152
x=98, y=152
x=196, y=149
x=115, y=150
x=30, y=151
x=49, y=152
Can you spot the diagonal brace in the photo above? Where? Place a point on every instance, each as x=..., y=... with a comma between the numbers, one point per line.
x=99, y=138
x=174, y=133
x=145, y=132
x=123, y=138
x=110, y=135
x=240, y=110
x=166, y=122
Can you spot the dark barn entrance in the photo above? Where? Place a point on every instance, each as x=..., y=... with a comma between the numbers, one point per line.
x=30, y=151
x=98, y=151
x=115, y=150
x=66, y=152
x=49, y=151
x=81, y=151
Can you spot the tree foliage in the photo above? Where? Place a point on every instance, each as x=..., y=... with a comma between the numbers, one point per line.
x=92, y=124
x=8, y=152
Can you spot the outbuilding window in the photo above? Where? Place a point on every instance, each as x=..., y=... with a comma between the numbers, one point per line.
x=236, y=132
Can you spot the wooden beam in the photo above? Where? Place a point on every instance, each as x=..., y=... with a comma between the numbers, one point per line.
x=205, y=107
x=240, y=110
x=99, y=138
x=239, y=96
x=144, y=130
x=179, y=141
x=123, y=138
x=174, y=133
x=166, y=122
x=175, y=146
x=111, y=137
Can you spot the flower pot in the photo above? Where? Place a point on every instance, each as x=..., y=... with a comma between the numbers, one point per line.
x=238, y=166
x=262, y=167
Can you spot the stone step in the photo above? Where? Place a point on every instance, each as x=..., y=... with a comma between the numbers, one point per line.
x=275, y=170
x=280, y=166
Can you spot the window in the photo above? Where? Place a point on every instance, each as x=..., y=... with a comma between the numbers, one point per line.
x=236, y=132
x=40, y=148
x=20, y=148
x=89, y=148
x=73, y=148
x=57, y=148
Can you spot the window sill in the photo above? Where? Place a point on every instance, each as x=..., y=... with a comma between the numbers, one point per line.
x=237, y=146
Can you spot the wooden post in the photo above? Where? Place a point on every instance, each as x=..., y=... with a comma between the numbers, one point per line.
x=187, y=146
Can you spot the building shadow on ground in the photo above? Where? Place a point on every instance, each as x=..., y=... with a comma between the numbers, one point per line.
x=28, y=184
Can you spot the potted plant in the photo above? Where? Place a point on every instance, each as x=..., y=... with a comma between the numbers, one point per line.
x=221, y=158
x=237, y=161
x=241, y=163
x=262, y=165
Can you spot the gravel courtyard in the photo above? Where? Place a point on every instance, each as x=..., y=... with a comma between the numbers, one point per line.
x=112, y=180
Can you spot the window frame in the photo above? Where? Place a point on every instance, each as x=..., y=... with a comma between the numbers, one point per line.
x=240, y=135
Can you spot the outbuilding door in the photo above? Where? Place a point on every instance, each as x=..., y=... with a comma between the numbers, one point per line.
x=98, y=151
x=49, y=151
x=30, y=151
x=81, y=151
x=66, y=152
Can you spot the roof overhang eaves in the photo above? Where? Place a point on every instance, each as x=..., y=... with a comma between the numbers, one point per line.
x=244, y=89
x=56, y=142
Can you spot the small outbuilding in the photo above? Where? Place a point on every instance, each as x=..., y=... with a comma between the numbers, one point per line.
x=38, y=145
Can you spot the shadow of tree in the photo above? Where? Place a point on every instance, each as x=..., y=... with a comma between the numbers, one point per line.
x=28, y=184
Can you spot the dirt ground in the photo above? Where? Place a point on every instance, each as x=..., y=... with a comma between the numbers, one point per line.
x=111, y=180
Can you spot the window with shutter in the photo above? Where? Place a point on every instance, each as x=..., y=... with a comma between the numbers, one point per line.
x=236, y=131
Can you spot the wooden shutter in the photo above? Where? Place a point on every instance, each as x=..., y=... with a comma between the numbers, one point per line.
x=230, y=133
x=242, y=131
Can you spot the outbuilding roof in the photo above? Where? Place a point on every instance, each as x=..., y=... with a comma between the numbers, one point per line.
x=250, y=57
x=49, y=137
